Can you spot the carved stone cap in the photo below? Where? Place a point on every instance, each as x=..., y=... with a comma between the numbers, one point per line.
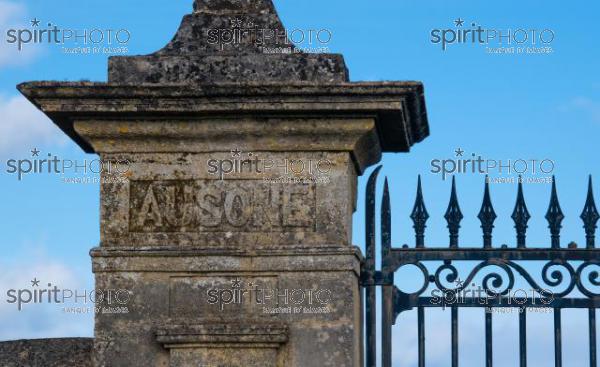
x=229, y=41
x=362, y=118
x=219, y=333
x=398, y=107
x=233, y=6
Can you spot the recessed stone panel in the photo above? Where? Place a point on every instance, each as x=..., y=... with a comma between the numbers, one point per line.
x=220, y=206
x=215, y=297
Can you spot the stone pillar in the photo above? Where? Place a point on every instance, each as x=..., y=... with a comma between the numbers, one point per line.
x=231, y=227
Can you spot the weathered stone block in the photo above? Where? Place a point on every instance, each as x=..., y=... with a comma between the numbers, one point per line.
x=60, y=352
x=234, y=345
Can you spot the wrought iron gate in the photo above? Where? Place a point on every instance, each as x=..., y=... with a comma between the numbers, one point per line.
x=495, y=289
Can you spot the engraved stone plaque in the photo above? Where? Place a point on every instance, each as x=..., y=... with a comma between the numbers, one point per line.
x=220, y=206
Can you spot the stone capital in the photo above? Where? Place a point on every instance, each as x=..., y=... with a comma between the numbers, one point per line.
x=364, y=119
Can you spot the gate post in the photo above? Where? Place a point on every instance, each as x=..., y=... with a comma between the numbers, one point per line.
x=228, y=224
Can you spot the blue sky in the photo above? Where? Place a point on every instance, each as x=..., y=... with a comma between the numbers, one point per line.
x=502, y=107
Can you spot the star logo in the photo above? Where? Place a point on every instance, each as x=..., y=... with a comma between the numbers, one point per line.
x=235, y=22
x=459, y=283
x=459, y=22
x=236, y=152
x=35, y=152
x=35, y=22
x=35, y=282
x=236, y=283
x=459, y=152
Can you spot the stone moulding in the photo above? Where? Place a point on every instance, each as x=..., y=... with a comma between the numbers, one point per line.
x=224, y=344
x=265, y=335
x=201, y=69
x=211, y=259
x=113, y=113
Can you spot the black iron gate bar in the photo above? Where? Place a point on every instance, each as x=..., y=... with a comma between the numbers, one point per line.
x=395, y=301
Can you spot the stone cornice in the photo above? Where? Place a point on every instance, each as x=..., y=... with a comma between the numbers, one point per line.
x=397, y=107
x=241, y=334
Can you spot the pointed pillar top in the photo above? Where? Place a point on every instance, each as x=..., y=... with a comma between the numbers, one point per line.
x=229, y=41
x=204, y=75
x=233, y=6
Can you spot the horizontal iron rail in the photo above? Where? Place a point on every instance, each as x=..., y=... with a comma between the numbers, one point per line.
x=401, y=256
x=503, y=302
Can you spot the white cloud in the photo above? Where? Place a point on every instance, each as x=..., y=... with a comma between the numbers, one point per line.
x=21, y=124
x=40, y=320
x=9, y=11
x=588, y=106
x=13, y=15
x=24, y=127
